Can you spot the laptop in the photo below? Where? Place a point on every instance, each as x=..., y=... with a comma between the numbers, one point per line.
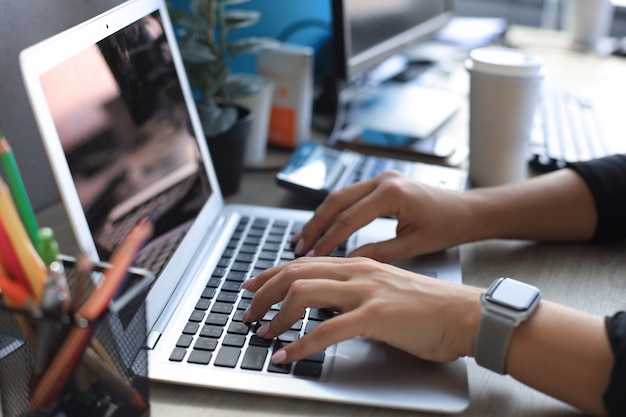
x=119, y=125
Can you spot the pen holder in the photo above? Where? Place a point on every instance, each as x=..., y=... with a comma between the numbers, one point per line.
x=110, y=377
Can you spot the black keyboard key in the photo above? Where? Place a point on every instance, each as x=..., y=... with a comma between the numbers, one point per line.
x=320, y=314
x=267, y=255
x=259, y=341
x=254, y=358
x=191, y=328
x=197, y=316
x=238, y=316
x=240, y=267
x=279, y=369
x=274, y=239
x=236, y=276
x=227, y=297
x=222, y=308
x=208, y=293
x=245, y=257
x=178, y=354
x=211, y=331
x=184, y=341
x=227, y=357
x=219, y=272
x=271, y=247
x=248, y=249
x=200, y=357
x=238, y=328
x=217, y=319
x=205, y=343
x=235, y=340
x=214, y=282
x=247, y=295
x=203, y=304
x=232, y=286
x=308, y=369
x=262, y=265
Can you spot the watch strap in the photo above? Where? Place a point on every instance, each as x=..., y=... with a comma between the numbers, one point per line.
x=492, y=341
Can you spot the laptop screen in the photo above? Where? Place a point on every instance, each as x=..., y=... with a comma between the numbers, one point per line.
x=125, y=129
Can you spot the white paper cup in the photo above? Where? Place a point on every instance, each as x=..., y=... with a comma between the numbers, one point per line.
x=588, y=22
x=504, y=90
x=260, y=104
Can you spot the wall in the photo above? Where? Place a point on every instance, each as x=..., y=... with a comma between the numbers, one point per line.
x=23, y=23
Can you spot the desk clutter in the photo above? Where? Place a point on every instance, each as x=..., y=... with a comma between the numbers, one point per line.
x=72, y=331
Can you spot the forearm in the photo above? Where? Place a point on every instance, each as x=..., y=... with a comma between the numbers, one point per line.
x=552, y=207
x=564, y=353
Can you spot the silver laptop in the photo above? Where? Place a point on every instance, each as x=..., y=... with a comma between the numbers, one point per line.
x=119, y=125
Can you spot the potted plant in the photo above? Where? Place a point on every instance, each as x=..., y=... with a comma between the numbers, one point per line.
x=203, y=31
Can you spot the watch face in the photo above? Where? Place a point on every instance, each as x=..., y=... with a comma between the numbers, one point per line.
x=513, y=294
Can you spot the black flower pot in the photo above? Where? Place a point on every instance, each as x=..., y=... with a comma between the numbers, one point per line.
x=227, y=151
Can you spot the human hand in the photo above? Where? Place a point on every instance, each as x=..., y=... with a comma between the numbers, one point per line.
x=429, y=318
x=429, y=218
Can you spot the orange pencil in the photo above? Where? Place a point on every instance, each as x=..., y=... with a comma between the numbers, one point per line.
x=8, y=257
x=120, y=261
x=29, y=259
x=15, y=295
x=55, y=377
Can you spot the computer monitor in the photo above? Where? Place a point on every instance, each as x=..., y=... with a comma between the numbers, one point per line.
x=369, y=32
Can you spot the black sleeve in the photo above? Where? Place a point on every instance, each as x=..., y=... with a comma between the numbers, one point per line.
x=606, y=178
x=614, y=396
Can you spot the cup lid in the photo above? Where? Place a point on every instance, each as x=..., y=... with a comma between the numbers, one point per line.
x=496, y=60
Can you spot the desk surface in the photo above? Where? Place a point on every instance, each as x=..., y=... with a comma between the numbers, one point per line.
x=582, y=276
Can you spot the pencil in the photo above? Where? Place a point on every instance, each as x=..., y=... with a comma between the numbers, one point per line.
x=120, y=261
x=7, y=158
x=15, y=295
x=29, y=259
x=56, y=375
x=8, y=257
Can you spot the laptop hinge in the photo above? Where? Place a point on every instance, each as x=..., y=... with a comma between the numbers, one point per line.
x=152, y=339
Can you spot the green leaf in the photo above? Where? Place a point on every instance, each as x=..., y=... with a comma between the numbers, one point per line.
x=216, y=118
x=252, y=44
x=241, y=18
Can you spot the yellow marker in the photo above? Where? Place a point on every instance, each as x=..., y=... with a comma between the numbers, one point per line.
x=31, y=262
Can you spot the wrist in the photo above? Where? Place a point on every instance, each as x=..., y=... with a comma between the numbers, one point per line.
x=468, y=318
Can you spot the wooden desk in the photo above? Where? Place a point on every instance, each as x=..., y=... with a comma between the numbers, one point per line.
x=591, y=278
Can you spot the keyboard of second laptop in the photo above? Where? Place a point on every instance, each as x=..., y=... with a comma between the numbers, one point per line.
x=436, y=175
x=215, y=334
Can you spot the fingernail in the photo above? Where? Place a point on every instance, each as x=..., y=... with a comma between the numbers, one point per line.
x=247, y=283
x=279, y=357
x=296, y=237
x=299, y=246
x=310, y=253
x=262, y=331
x=246, y=316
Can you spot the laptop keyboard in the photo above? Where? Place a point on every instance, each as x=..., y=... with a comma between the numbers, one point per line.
x=435, y=175
x=566, y=130
x=215, y=334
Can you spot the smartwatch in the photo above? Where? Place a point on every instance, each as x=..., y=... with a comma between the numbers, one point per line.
x=505, y=305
